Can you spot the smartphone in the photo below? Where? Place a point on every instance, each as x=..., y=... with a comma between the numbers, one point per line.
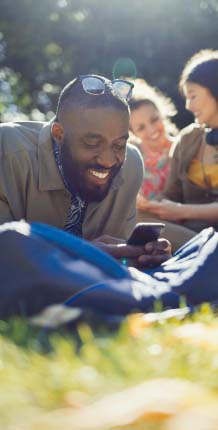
x=145, y=232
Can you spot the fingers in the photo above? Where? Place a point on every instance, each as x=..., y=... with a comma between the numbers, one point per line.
x=128, y=251
x=153, y=207
x=152, y=260
x=106, y=238
x=155, y=253
x=114, y=240
x=160, y=245
x=149, y=255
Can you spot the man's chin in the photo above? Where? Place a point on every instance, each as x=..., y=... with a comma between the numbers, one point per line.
x=96, y=194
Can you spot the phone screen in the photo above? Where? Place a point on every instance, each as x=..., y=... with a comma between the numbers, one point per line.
x=145, y=232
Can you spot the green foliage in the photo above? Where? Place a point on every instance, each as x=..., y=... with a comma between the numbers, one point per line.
x=51, y=41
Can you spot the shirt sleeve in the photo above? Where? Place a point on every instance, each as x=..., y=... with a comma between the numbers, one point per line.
x=135, y=173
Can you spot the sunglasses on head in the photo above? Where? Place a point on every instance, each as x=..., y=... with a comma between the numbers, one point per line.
x=95, y=85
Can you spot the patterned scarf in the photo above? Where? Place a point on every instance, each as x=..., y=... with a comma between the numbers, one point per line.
x=76, y=213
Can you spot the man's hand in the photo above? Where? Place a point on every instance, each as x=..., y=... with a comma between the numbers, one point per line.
x=150, y=255
x=155, y=253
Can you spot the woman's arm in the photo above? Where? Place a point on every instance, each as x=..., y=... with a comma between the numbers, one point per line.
x=179, y=212
x=203, y=212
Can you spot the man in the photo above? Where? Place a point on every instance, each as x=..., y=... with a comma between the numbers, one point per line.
x=77, y=172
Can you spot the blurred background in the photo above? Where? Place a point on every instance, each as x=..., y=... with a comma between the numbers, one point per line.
x=46, y=43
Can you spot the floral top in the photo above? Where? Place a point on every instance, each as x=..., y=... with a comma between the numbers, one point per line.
x=156, y=170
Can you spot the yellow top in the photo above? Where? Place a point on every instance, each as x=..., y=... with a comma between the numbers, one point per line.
x=197, y=174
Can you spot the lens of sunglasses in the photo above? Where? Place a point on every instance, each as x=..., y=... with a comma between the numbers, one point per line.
x=92, y=85
x=123, y=89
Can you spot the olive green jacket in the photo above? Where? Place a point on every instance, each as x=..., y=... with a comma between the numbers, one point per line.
x=178, y=186
x=31, y=187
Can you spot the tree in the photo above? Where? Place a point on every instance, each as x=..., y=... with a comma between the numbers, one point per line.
x=46, y=43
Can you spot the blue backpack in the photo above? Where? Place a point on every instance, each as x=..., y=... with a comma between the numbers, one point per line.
x=41, y=265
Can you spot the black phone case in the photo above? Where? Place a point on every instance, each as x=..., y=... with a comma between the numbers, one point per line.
x=144, y=233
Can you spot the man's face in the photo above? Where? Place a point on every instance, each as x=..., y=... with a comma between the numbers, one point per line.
x=93, y=149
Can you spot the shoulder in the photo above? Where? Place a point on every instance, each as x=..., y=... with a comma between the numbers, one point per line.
x=20, y=127
x=19, y=136
x=133, y=155
x=133, y=167
x=191, y=131
x=188, y=135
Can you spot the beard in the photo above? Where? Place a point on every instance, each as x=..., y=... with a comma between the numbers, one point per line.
x=78, y=181
x=97, y=193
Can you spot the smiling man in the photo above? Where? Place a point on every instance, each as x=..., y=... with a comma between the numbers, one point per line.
x=77, y=172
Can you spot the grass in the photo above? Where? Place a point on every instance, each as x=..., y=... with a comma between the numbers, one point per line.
x=41, y=371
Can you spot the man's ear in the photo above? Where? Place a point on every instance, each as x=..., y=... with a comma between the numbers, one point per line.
x=57, y=132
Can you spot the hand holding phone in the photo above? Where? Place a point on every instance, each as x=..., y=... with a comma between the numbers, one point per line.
x=145, y=232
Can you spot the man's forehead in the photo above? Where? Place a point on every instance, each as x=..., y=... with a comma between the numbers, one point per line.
x=98, y=117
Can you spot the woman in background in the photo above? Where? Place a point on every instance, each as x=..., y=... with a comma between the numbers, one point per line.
x=153, y=132
x=191, y=191
x=150, y=121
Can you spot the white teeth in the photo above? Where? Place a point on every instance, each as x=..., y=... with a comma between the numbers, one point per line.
x=99, y=175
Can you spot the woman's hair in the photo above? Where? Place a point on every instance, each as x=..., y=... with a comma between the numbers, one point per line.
x=145, y=94
x=202, y=69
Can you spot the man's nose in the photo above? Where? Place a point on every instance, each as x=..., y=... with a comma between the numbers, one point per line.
x=106, y=158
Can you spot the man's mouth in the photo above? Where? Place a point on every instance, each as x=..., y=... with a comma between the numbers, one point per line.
x=97, y=181
x=98, y=174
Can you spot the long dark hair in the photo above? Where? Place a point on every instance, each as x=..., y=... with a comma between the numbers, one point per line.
x=202, y=69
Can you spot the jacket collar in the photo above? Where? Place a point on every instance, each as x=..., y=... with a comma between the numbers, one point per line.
x=49, y=175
